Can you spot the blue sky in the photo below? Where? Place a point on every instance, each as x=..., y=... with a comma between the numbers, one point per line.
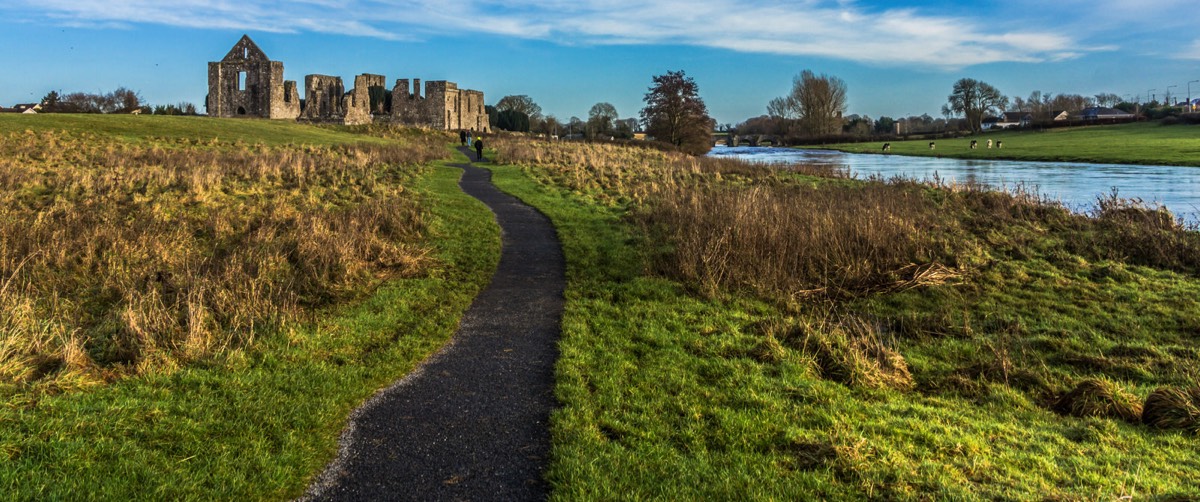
x=897, y=58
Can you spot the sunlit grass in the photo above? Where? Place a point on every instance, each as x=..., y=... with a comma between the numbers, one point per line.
x=720, y=385
x=1144, y=143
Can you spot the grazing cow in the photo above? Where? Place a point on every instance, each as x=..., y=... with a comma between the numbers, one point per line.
x=974, y=144
x=999, y=145
x=989, y=144
x=887, y=147
x=932, y=145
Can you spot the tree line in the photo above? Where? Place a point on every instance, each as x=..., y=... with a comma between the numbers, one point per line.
x=674, y=114
x=120, y=100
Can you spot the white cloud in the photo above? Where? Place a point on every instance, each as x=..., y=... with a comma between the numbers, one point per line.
x=841, y=29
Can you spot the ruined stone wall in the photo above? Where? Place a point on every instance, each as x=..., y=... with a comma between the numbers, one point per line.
x=474, y=112
x=408, y=105
x=358, y=103
x=284, y=103
x=323, y=99
x=246, y=83
x=438, y=97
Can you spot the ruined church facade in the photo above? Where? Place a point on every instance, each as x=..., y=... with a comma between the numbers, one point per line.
x=248, y=84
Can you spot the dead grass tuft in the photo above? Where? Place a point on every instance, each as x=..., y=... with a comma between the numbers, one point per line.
x=1173, y=408
x=1099, y=398
x=850, y=351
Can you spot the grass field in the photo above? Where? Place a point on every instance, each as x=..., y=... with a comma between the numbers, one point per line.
x=251, y=419
x=709, y=384
x=731, y=331
x=1144, y=143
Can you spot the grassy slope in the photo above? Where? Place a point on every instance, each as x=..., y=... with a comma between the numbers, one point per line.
x=665, y=395
x=257, y=423
x=149, y=128
x=1144, y=143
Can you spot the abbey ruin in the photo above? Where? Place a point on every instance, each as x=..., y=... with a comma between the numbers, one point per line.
x=246, y=83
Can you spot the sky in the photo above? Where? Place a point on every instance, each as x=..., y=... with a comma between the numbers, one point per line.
x=898, y=58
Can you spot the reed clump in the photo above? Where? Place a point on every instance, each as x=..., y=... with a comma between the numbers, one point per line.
x=121, y=258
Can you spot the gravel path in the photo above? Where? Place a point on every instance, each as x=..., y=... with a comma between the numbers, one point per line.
x=472, y=422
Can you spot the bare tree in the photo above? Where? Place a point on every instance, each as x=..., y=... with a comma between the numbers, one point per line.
x=817, y=100
x=1107, y=100
x=780, y=108
x=973, y=99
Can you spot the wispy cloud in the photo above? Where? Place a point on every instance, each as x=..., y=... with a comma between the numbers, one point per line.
x=841, y=29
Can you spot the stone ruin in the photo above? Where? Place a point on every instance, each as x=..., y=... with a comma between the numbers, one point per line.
x=248, y=84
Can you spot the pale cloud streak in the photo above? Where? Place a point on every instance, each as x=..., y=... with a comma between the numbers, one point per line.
x=839, y=29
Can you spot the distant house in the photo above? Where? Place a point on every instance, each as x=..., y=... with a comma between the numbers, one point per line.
x=31, y=108
x=1008, y=119
x=1059, y=115
x=1098, y=113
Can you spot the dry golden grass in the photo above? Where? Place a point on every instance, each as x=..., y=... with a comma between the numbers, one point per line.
x=121, y=258
x=1100, y=398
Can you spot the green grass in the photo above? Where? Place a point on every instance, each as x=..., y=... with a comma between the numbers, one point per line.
x=137, y=128
x=666, y=395
x=255, y=423
x=1145, y=143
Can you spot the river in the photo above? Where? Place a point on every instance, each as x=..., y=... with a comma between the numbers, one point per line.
x=1076, y=185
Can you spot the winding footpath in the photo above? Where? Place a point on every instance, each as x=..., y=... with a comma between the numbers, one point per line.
x=472, y=422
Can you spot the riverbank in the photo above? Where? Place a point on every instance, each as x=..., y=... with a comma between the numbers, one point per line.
x=742, y=332
x=1148, y=143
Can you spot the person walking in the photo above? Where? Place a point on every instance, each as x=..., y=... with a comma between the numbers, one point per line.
x=479, y=148
x=462, y=137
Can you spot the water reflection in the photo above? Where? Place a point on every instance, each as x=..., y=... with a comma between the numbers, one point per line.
x=1076, y=185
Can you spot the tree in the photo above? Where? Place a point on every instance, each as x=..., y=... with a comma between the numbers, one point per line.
x=600, y=120
x=974, y=99
x=780, y=108
x=549, y=126
x=575, y=126
x=817, y=100
x=675, y=114
x=625, y=128
x=1107, y=100
x=520, y=103
x=885, y=125
x=512, y=120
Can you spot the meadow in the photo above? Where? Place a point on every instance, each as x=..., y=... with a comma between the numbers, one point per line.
x=1146, y=143
x=740, y=332
x=191, y=307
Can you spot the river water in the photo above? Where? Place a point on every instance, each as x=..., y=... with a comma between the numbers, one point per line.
x=1076, y=185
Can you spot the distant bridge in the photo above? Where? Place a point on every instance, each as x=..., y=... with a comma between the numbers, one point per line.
x=746, y=139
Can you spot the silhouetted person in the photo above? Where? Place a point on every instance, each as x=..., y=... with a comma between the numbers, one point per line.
x=462, y=137
x=479, y=148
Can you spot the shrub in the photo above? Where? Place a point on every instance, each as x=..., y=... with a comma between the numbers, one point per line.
x=798, y=242
x=1132, y=231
